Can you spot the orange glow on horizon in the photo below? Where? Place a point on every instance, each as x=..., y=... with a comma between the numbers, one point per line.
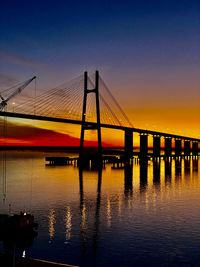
x=178, y=121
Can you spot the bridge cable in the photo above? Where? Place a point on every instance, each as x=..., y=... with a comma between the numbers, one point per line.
x=115, y=101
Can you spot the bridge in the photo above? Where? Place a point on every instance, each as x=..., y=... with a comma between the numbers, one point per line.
x=72, y=103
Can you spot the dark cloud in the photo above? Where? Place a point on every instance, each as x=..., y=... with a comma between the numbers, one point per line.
x=18, y=131
x=37, y=136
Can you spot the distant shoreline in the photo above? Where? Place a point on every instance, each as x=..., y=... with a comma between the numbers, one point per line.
x=57, y=149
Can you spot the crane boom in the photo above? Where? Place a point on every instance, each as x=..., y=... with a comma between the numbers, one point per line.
x=16, y=92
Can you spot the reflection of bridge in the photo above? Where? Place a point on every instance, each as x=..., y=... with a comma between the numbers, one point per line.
x=179, y=167
x=67, y=104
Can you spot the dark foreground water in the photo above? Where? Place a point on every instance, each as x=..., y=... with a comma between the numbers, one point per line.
x=136, y=216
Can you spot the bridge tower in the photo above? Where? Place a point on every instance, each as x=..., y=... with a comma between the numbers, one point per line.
x=86, y=126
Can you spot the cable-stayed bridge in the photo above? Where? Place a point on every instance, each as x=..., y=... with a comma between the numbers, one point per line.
x=87, y=101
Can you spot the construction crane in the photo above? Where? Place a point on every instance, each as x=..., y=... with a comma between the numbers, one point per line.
x=16, y=92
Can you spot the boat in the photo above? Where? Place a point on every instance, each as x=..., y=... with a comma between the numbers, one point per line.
x=17, y=222
x=19, y=229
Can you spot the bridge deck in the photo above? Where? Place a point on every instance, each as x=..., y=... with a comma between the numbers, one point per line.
x=78, y=122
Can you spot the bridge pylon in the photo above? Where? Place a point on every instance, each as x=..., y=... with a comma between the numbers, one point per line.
x=86, y=126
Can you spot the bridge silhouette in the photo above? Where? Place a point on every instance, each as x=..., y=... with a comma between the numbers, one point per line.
x=73, y=102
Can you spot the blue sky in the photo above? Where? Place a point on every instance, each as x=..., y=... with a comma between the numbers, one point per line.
x=147, y=51
x=87, y=34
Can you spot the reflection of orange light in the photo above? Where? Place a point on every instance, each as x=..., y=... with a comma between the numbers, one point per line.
x=83, y=218
x=38, y=133
x=108, y=213
x=68, y=224
x=51, y=223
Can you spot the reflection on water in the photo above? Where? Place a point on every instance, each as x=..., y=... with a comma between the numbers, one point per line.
x=108, y=213
x=51, y=224
x=143, y=177
x=132, y=216
x=156, y=173
x=128, y=179
x=68, y=223
x=168, y=171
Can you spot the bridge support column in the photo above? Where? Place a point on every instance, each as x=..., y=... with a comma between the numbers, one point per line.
x=128, y=143
x=186, y=147
x=195, y=148
x=168, y=146
x=84, y=125
x=143, y=145
x=156, y=146
x=178, y=148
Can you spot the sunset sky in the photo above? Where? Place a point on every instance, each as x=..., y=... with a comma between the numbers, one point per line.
x=148, y=53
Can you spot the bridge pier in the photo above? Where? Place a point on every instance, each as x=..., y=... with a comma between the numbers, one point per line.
x=128, y=143
x=168, y=146
x=178, y=148
x=156, y=146
x=143, y=145
x=195, y=148
x=186, y=147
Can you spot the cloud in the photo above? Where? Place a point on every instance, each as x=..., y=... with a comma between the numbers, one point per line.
x=35, y=136
x=22, y=135
x=18, y=59
x=7, y=80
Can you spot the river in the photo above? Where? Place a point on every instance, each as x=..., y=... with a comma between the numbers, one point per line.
x=145, y=215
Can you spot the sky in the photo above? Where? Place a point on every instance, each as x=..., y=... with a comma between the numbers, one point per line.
x=147, y=52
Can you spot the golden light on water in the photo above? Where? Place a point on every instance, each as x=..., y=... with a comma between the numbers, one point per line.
x=52, y=221
x=68, y=223
x=108, y=213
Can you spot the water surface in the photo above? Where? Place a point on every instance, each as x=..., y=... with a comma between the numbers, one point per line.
x=134, y=216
